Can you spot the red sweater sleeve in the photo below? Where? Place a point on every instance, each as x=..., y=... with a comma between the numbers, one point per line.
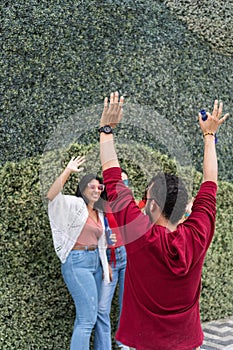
x=189, y=242
x=204, y=213
x=131, y=221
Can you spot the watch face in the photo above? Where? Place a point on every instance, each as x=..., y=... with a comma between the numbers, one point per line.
x=107, y=129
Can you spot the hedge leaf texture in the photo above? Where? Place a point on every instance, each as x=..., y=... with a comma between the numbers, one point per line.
x=57, y=57
x=36, y=309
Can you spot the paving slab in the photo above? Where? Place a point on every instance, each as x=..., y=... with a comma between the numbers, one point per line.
x=218, y=335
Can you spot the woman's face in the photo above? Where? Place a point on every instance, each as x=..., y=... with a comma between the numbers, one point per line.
x=93, y=190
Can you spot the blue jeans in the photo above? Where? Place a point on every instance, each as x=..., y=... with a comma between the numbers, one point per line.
x=82, y=274
x=102, y=340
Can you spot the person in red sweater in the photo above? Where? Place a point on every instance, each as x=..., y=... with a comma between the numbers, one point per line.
x=117, y=259
x=164, y=259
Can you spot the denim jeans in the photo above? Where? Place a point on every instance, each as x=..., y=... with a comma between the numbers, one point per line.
x=82, y=274
x=102, y=339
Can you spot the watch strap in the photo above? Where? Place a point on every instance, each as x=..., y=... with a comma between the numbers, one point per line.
x=107, y=129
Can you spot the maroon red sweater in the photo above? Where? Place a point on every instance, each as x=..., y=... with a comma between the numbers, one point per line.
x=163, y=276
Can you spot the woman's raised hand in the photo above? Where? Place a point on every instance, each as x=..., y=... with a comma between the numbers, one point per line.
x=75, y=163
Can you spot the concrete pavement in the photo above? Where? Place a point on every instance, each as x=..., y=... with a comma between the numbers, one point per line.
x=218, y=335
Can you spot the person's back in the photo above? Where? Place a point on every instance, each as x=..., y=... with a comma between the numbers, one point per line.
x=164, y=259
x=163, y=275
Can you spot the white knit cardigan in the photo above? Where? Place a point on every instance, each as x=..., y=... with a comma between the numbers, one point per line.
x=67, y=216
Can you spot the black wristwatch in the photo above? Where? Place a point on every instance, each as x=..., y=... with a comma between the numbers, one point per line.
x=107, y=129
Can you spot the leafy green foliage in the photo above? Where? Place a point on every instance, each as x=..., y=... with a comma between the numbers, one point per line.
x=210, y=20
x=58, y=57
x=217, y=275
x=37, y=311
x=32, y=293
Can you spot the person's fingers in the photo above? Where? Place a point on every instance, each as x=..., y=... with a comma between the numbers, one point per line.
x=220, y=110
x=119, y=106
x=120, y=113
x=200, y=118
x=222, y=120
x=111, y=98
x=76, y=158
x=121, y=101
x=116, y=104
x=77, y=161
x=105, y=107
x=116, y=95
x=106, y=102
x=215, y=110
x=80, y=163
x=112, y=113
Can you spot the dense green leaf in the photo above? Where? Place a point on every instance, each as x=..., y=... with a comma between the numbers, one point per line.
x=37, y=311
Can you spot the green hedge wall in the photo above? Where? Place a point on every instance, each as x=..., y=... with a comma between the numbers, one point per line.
x=215, y=26
x=36, y=309
x=60, y=56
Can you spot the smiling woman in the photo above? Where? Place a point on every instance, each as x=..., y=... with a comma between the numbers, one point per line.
x=78, y=234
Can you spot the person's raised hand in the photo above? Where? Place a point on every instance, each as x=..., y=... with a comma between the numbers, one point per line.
x=75, y=163
x=112, y=112
x=214, y=120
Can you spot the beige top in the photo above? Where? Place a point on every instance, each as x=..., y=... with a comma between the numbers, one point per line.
x=90, y=233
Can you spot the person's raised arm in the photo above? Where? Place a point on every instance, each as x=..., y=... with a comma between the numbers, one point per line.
x=209, y=128
x=111, y=116
x=72, y=167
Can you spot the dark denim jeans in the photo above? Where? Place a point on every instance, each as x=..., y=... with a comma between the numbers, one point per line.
x=103, y=324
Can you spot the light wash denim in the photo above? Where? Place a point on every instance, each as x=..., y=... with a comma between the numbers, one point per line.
x=102, y=339
x=82, y=273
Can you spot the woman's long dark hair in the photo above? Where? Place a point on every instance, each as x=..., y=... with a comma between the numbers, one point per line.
x=83, y=184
